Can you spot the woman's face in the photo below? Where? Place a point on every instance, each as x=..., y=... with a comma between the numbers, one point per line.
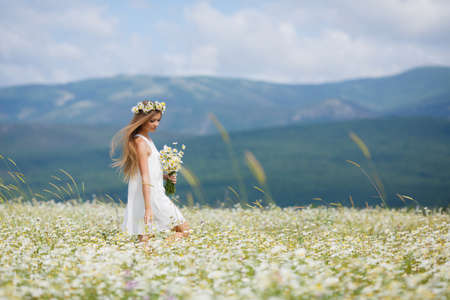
x=153, y=123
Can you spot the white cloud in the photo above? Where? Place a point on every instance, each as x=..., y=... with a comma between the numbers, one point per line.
x=298, y=42
x=392, y=19
x=201, y=60
x=285, y=41
x=86, y=19
x=418, y=19
x=51, y=42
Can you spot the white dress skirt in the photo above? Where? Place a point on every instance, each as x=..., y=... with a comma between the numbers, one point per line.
x=165, y=213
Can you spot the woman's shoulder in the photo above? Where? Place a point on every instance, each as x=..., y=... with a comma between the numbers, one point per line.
x=141, y=143
x=138, y=138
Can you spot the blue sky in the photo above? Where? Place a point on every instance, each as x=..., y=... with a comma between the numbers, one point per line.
x=290, y=41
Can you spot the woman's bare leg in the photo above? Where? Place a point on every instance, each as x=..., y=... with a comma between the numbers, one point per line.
x=144, y=237
x=181, y=230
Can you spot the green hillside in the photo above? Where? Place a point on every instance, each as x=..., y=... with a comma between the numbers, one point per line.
x=412, y=157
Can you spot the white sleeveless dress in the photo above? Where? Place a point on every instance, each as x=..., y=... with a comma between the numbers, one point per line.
x=165, y=214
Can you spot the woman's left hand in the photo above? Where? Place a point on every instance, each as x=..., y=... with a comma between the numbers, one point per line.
x=173, y=178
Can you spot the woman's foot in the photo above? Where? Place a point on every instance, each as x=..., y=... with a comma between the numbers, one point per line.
x=174, y=236
x=145, y=237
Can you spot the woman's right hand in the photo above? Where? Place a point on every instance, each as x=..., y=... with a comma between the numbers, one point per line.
x=148, y=216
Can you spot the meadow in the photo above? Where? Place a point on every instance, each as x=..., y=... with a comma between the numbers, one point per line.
x=75, y=250
x=56, y=243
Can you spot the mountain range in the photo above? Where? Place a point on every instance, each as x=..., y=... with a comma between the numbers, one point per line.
x=239, y=104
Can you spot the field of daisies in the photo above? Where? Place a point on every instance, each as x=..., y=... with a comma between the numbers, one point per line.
x=72, y=250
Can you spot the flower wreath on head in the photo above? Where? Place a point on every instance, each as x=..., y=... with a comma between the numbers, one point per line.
x=146, y=108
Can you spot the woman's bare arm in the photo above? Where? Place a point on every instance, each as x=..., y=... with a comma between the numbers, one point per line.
x=143, y=151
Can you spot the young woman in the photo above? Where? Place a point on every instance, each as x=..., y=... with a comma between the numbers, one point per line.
x=147, y=203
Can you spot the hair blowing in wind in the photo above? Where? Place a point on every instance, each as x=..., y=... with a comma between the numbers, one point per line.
x=127, y=162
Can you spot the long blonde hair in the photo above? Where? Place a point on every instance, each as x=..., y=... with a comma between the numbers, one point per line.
x=128, y=162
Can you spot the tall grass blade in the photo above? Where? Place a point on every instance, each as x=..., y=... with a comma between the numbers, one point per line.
x=235, y=193
x=365, y=150
x=8, y=191
x=353, y=163
x=12, y=161
x=255, y=167
x=56, y=177
x=66, y=191
x=379, y=184
x=402, y=197
x=73, y=181
x=259, y=189
x=193, y=181
x=13, y=176
x=55, y=186
x=234, y=162
x=110, y=198
x=69, y=187
x=19, y=178
x=190, y=177
x=40, y=196
x=53, y=193
x=12, y=186
x=4, y=186
x=258, y=172
x=223, y=132
x=259, y=204
x=19, y=175
x=268, y=197
x=358, y=141
x=371, y=182
x=319, y=199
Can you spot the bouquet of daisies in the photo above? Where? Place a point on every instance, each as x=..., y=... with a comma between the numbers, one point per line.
x=171, y=163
